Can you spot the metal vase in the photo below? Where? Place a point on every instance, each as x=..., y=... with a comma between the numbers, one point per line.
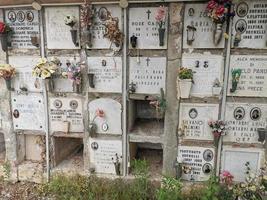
x=92, y=130
x=50, y=84
x=117, y=168
x=8, y=84
x=161, y=36
x=3, y=39
x=77, y=88
x=74, y=37
x=262, y=132
x=91, y=78
x=217, y=33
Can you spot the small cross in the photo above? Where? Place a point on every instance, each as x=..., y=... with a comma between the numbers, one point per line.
x=148, y=14
x=147, y=61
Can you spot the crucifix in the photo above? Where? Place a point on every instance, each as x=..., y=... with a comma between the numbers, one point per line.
x=148, y=14
x=147, y=61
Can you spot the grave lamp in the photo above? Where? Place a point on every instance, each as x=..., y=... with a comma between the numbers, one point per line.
x=36, y=5
x=190, y=30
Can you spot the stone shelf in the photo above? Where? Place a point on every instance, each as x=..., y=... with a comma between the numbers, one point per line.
x=147, y=131
x=68, y=135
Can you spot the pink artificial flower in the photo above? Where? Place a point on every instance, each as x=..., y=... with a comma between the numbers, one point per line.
x=100, y=113
x=211, y=5
x=160, y=14
x=216, y=134
x=227, y=177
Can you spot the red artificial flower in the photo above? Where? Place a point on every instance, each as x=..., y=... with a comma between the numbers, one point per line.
x=2, y=27
x=100, y=113
x=220, y=10
x=211, y=5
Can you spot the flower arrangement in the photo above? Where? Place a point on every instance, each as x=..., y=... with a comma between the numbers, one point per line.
x=4, y=28
x=7, y=71
x=218, y=128
x=45, y=69
x=161, y=21
x=227, y=178
x=219, y=10
x=74, y=73
x=117, y=164
x=236, y=73
x=159, y=103
x=185, y=73
x=92, y=126
x=70, y=20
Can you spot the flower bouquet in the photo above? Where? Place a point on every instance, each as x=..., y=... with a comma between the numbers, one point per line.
x=184, y=82
x=218, y=129
x=46, y=70
x=161, y=21
x=71, y=20
x=75, y=75
x=5, y=31
x=219, y=11
x=92, y=125
x=7, y=72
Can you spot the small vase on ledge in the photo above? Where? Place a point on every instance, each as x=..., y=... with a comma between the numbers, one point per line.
x=217, y=33
x=77, y=88
x=74, y=37
x=3, y=40
x=8, y=84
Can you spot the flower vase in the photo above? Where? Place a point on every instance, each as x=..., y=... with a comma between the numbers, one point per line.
x=77, y=88
x=49, y=84
x=161, y=36
x=117, y=168
x=216, y=91
x=8, y=84
x=3, y=40
x=262, y=134
x=216, y=140
x=92, y=130
x=217, y=33
x=91, y=77
x=74, y=37
x=183, y=88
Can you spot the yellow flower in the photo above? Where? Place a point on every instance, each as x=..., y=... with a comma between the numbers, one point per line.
x=252, y=188
x=45, y=74
x=64, y=74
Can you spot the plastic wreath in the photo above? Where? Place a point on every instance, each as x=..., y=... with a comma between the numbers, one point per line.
x=219, y=10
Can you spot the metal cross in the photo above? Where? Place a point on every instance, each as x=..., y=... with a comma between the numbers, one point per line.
x=148, y=14
x=147, y=61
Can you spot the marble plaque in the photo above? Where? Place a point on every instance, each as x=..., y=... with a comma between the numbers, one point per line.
x=250, y=22
x=207, y=68
x=194, y=119
x=148, y=73
x=253, y=80
x=25, y=23
x=98, y=28
x=143, y=25
x=103, y=153
x=107, y=71
x=24, y=78
x=234, y=160
x=197, y=162
x=196, y=17
x=28, y=112
x=57, y=33
x=64, y=111
x=243, y=120
x=111, y=122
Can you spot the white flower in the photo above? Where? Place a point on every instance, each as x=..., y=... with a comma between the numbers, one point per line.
x=70, y=20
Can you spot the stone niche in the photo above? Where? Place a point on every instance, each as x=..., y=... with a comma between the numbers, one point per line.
x=28, y=111
x=197, y=162
x=25, y=23
x=195, y=17
x=253, y=80
x=207, y=68
x=58, y=34
x=193, y=120
x=103, y=154
x=111, y=122
x=66, y=115
x=243, y=120
x=143, y=25
x=24, y=79
x=147, y=74
x=98, y=27
x=234, y=160
x=250, y=22
x=103, y=72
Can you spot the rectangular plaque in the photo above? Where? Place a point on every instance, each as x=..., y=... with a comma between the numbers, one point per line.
x=98, y=28
x=143, y=25
x=207, y=68
x=196, y=16
x=24, y=78
x=28, y=112
x=148, y=73
x=250, y=22
x=106, y=71
x=243, y=120
x=63, y=111
x=25, y=23
x=103, y=153
x=234, y=160
x=199, y=162
x=253, y=80
x=194, y=119
x=57, y=32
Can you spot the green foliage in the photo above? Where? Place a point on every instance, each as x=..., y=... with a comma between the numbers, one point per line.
x=212, y=190
x=185, y=73
x=7, y=169
x=225, y=194
x=139, y=168
x=170, y=189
